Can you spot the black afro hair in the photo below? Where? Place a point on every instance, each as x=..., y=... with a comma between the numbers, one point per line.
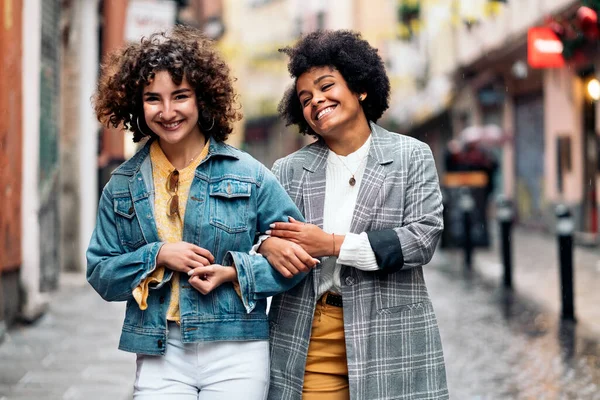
x=353, y=57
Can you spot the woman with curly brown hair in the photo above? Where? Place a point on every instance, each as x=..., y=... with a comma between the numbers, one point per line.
x=176, y=223
x=362, y=325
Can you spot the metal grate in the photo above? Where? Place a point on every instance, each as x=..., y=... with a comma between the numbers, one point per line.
x=49, y=145
x=49, y=91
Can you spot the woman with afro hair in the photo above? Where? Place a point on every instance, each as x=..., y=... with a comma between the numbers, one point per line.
x=361, y=325
x=176, y=223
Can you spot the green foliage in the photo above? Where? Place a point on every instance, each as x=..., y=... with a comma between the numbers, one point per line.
x=408, y=10
x=408, y=18
x=593, y=4
x=570, y=46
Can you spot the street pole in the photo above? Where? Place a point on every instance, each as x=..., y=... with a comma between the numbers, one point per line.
x=467, y=204
x=2, y=323
x=504, y=213
x=564, y=231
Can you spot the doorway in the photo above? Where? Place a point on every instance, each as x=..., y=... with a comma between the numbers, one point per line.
x=529, y=157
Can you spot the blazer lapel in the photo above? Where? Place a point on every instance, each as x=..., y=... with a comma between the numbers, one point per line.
x=313, y=189
x=372, y=180
x=313, y=193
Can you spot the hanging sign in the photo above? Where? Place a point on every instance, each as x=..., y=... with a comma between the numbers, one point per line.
x=145, y=17
x=544, y=48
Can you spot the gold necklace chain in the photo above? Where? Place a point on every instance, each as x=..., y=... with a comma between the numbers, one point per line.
x=196, y=156
x=351, y=181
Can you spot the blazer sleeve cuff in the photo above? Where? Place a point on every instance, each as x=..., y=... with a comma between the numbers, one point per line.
x=388, y=250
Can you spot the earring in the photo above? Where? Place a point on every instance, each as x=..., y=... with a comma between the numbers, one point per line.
x=204, y=129
x=137, y=122
x=361, y=98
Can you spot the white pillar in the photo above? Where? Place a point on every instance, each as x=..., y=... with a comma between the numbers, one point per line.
x=88, y=125
x=35, y=302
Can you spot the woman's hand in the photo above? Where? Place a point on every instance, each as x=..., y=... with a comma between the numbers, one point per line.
x=310, y=237
x=183, y=256
x=287, y=258
x=205, y=279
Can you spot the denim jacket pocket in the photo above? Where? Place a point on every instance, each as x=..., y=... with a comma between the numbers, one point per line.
x=229, y=202
x=128, y=226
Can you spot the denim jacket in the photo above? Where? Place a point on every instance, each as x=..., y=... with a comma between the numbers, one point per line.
x=232, y=198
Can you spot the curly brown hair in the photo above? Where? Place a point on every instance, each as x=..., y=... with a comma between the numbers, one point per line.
x=182, y=52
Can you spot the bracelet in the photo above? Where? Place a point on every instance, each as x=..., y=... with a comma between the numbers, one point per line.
x=333, y=242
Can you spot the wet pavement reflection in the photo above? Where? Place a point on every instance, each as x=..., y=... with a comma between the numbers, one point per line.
x=501, y=344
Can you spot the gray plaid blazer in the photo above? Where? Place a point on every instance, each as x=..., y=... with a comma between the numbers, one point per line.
x=393, y=343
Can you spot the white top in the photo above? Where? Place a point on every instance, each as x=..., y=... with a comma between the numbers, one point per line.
x=340, y=199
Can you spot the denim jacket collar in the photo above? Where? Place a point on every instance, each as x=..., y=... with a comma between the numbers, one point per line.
x=138, y=172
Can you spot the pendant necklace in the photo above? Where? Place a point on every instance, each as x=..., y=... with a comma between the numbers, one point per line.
x=352, y=180
x=196, y=156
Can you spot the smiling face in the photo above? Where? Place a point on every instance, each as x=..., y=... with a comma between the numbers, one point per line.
x=328, y=105
x=170, y=110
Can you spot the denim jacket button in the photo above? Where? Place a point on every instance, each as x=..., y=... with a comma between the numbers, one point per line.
x=350, y=281
x=159, y=343
x=228, y=188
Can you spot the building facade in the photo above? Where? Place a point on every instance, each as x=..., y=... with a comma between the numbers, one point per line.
x=11, y=135
x=550, y=152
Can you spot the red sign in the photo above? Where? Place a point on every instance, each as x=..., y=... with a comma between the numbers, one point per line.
x=544, y=48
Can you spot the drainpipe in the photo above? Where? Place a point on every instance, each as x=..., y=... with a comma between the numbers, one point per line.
x=88, y=125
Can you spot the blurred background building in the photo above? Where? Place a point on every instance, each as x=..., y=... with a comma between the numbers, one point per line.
x=462, y=71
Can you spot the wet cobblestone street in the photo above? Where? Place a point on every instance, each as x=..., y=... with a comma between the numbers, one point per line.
x=512, y=345
x=498, y=344
x=496, y=349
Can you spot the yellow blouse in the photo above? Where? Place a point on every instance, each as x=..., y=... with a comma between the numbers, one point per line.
x=170, y=229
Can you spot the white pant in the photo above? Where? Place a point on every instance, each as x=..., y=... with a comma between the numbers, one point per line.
x=204, y=371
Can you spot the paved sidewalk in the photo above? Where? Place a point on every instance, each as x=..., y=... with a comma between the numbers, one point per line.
x=536, y=273
x=70, y=353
